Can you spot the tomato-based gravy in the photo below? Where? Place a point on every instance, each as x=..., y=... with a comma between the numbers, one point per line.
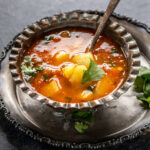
x=59, y=66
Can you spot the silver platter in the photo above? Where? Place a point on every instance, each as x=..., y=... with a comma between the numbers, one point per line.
x=125, y=118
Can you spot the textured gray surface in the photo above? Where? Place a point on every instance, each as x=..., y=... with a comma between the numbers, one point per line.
x=16, y=14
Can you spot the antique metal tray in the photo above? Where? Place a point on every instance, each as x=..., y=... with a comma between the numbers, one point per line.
x=128, y=121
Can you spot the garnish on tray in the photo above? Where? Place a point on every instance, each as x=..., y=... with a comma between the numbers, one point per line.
x=83, y=119
x=142, y=85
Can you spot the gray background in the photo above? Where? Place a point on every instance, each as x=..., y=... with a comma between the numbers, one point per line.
x=16, y=14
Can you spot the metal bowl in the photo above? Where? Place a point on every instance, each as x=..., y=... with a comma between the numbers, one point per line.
x=52, y=118
x=113, y=29
x=112, y=119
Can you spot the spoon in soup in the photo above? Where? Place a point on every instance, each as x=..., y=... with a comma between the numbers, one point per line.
x=110, y=8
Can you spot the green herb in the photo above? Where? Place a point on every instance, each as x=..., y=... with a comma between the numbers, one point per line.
x=39, y=68
x=45, y=78
x=112, y=64
x=143, y=75
x=27, y=79
x=114, y=50
x=93, y=73
x=47, y=39
x=28, y=70
x=145, y=100
x=28, y=60
x=82, y=120
x=91, y=88
x=142, y=84
x=81, y=127
x=86, y=116
x=146, y=87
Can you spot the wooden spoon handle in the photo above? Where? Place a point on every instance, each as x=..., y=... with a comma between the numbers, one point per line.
x=112, y=5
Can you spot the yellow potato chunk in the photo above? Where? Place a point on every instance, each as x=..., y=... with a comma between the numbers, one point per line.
x=68, y=70
x=120, y=68
x=62, y=56
x=77, y=74
x=83, y=59
x=73, y=72
x=86, y=95
x=104, y=86
x=52, y=88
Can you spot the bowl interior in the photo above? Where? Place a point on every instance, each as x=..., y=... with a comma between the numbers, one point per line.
x=113, y=30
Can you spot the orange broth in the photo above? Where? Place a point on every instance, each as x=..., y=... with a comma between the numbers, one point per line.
x=69, y=42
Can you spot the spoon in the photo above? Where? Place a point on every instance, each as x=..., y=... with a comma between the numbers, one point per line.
x=111, y=6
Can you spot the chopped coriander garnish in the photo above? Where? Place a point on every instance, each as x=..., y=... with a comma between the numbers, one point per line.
x=47, y=39
x=39, y=68
x=142, y=84
x=112, y=64
x=93, y=73
x=91, y=88
x=80, y=127
x=144, y=74
x=30, y=71
x=45, y=78
x=114, y=50
x=28, y=60
x=27, y=79
x=86, y=116
x=145, y=100
x=28, y=68
x=82, y=120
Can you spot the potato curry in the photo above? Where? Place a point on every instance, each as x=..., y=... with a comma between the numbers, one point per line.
x=59, y=66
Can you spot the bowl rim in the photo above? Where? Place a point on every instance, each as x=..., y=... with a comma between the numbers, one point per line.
x=72, y=17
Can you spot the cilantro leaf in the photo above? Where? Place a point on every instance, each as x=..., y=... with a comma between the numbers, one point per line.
x=91, y=87
x=82, y=120
x=45, y=78
x=47, y=39
x=80, y=127
x=138, y=84
x=28, y=70
x=144, y=72
x=86, y=116
x=93, y=73
x=112, y=64
x=28, y=60
x=39, y=68
x=146, y=87
x=143, y=75
x=114, y=50
x=142, y=84
x=146, y=100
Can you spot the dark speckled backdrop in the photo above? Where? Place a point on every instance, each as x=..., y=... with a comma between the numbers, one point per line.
x=16, y=14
